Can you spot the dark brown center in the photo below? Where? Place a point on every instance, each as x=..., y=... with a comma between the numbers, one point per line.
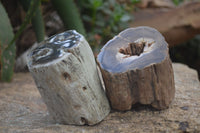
x=133, y=49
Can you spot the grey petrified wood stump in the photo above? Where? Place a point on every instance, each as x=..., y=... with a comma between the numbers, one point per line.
x=136, y=68
x=65, y=73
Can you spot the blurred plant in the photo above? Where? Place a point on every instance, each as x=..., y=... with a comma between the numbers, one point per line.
x=7, y=40
x=37, y=19
x=104, y=19
x=30, y=13
x=135, y=1
x=69, y=14
x=177, y=2
x=7, y=56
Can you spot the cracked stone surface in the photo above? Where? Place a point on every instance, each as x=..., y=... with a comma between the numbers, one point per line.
x=22, y=110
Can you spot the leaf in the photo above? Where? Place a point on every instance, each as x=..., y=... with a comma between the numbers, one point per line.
x=69, y=14
x=7, y=57
x=135, y=1
x=34, y=5
x=177, y=2
x=37, y=20
x=97, y=3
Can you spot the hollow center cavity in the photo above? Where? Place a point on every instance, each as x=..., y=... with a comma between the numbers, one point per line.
x=135, y=48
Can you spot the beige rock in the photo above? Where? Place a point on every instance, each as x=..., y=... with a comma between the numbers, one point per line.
x=22, y=110
x=65, y=72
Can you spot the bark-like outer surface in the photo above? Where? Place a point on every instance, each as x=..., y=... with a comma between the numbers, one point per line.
x=152, y=85
x=147, y=79
x=69, y=83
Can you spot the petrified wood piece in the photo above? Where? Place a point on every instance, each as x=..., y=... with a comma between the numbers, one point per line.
x=65, y=73
x=136, y=68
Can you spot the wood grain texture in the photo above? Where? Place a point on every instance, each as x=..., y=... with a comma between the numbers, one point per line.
x=151, y=84
x=69, y=83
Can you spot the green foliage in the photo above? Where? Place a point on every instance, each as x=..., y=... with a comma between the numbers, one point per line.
x=69, y=14
x=7, y=57
x=177, y=2
x=31, y=11
x=7, y=40
x=104, y=19
x=38, y=25
x=135, y=1
x=37, y=20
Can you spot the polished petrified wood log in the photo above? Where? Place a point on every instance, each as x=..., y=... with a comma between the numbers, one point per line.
x=65, y=72
x=136, y=68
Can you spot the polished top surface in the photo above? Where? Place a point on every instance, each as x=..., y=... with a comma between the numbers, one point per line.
x=113, y=61
x=54, y=47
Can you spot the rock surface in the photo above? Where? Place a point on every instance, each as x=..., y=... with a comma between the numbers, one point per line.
x=22, y=110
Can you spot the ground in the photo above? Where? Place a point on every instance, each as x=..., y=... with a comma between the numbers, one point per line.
x=22, y=110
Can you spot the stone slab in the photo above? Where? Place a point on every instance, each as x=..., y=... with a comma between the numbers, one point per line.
x=22, y=110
